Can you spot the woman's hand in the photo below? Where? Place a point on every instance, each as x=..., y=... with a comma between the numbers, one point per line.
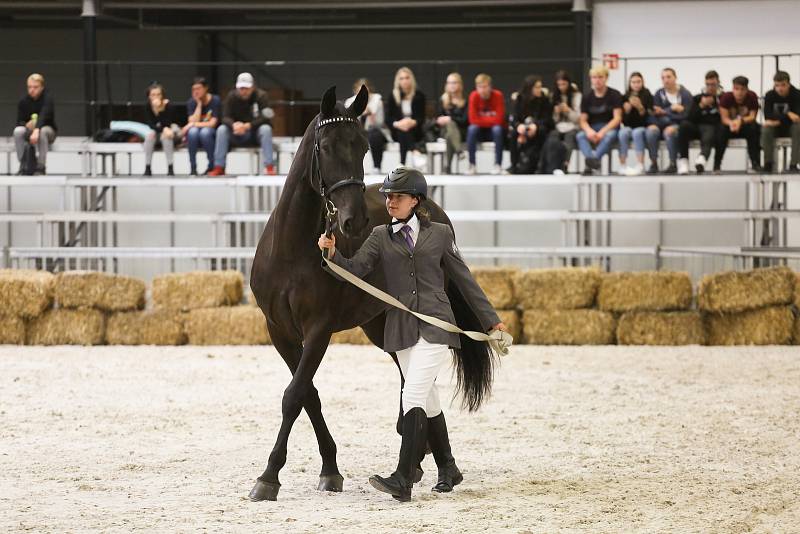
x=326, y=242
x=500, y=326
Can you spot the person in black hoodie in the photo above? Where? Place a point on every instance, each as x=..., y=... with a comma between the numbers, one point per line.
x=36, y=121
x=781, y=119
x=529, y=125
x=162, y=117
x=702, y=123
x=405, y=115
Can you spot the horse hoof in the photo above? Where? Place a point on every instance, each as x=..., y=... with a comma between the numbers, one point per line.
x=264, y=491
x=330, y=482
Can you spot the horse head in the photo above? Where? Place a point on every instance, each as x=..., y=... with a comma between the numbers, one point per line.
x=337, y=170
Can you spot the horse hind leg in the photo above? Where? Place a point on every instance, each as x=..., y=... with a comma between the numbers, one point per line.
x=268, y=485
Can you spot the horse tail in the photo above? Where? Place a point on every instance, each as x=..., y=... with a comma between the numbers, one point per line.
x=474, y=361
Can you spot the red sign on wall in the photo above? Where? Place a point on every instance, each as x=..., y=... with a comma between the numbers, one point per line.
x=611, y=61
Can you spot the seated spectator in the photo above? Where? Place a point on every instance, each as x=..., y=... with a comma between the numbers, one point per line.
x=637, y=104
x=529, y=124
x=451, y=117
x=204, y=111
x=487, y=112
x=36, y=122
x=372, y=119
x=601, y=115
x=246, y=121
x=670, y=107
x=560, y=141
x=406, y=115
x=781, y=119
x=162, y=118
x=701, y=123
x=737, y=112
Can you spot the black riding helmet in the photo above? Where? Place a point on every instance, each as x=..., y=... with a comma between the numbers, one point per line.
x=405, y=180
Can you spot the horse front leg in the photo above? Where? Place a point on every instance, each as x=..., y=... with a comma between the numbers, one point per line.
x=295, y=395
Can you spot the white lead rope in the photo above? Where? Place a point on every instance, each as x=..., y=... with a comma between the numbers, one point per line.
x=498, y=340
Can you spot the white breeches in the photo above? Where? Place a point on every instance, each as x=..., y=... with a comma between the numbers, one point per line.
x=420, y=365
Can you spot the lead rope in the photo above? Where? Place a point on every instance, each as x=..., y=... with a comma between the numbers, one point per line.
x=498, y=340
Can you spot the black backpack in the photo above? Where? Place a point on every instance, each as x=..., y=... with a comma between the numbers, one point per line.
x=27, y=166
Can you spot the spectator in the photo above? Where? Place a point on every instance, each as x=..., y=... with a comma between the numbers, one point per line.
x=451, y=117
x=637, y=104
x=702, y=123
x=487, y=111
x=737, y=112
x=670, y=107
x=246, y=121
x=601, y=115
x=406, y=112
x=373, y=121
x=162, y=118
x=560, y=141
x=204, y=111
x=531, y=121
x=781, y=119
x=36, y=122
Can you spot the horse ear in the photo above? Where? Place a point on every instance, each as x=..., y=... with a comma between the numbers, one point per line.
x=360, y=103
x=328, y=102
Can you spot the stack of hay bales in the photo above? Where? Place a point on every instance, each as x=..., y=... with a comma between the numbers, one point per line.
x=796, y=334
x=653, y=308
x=24, y=295
x=557, y=307
x=749, y=308
x=498, y=284
x=208, y=304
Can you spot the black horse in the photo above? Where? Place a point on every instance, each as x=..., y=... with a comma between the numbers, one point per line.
x=304, y=305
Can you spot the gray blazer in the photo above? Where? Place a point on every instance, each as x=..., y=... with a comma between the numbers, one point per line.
x=417, y=280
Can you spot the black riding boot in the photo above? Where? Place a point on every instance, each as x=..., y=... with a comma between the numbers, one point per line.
x=449, y=475
x=418, y=472
x=415, y=427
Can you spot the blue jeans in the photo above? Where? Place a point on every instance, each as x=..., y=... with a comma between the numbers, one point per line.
x=226, y=138
x=201, y=137
x=654, y=134
x=602, y=148
x=475, y=134
x=626, y=134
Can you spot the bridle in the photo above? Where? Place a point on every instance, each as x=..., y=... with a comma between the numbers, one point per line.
x=316, y=174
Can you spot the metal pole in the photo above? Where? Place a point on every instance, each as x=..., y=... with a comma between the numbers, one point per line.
x=89, y=16
x=580, y=11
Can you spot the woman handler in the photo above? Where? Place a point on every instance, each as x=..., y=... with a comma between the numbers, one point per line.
x=416, y=254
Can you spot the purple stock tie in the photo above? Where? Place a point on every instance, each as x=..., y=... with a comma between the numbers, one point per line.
x=407, y=235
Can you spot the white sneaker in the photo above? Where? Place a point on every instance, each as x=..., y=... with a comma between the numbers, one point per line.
x=700, y=163
x=558, y=172
x=636, y=170
x=471, y=170
x=420, y=160
x=623, y=170
x=496, y=170
x=376, y=170
x=683, y=166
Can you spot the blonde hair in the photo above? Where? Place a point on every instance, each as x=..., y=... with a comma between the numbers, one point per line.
x=396, y=88
x=363, y=81
x=447, y=100
x=483, y=78
x=599, y=70
x=35, y=77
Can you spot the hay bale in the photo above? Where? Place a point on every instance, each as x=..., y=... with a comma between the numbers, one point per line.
x=25, y=292
x=739, y=291
x=765, y=326
x=568, y=327
x=12, y=330
x=67, y=327
x=249, y=298
x=796, y=333
x=797, y=290
x=157, y=327
x=90, y=289
x=644, y=291
x=354, y=336
x=228, y=325
x=661, y=328
x=192, y=291
x=512, y=320
x=567, y=288
x=498, y=284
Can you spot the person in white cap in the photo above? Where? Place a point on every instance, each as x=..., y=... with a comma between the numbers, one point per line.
x=246, y=121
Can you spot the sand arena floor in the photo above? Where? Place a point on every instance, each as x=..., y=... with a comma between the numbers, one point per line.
x=594, y=439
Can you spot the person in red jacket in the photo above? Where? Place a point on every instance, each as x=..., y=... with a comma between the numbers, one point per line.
x=487, y=120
